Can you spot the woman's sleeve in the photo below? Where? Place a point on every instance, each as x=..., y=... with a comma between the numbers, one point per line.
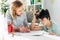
x=8, y=16
x=25, y=21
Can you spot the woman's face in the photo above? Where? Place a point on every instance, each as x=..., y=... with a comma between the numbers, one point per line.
x=44, y=21
x=19, y=11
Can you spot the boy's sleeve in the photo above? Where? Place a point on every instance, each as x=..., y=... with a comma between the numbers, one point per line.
x=57, y=30
x=43, y=28
x=49, y=30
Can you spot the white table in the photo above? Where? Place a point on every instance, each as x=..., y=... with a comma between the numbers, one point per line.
x=36, y=37
x=33, y=35
x=28, y=38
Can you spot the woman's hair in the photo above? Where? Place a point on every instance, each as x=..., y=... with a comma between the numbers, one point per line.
x=43, y=14
x=15, y=4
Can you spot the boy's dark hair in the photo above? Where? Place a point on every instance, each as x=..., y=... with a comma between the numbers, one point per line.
x=43, y=14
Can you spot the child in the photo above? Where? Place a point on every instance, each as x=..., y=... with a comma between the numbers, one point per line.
x=17, y=17
x=44, y=18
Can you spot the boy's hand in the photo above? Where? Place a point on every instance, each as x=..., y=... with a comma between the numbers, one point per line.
x=36, y=13
x=36, y=28
x=51, y=33
x=58, y=35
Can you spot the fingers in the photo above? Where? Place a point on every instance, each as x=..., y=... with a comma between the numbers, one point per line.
x=36, y=12
x=51, y=33
x=37, y=28
x=21, y=29
x=58, y=35
x=24, y=29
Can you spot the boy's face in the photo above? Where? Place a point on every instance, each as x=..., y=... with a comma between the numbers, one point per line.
x=44, y=21
x=19, y=11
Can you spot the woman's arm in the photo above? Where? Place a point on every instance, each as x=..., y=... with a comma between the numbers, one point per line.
x=8, y=16
x=25, y=20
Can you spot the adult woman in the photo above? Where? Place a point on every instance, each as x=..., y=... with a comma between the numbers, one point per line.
x=17, y=17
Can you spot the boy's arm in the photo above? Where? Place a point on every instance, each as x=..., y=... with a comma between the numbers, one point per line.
x=33, y=22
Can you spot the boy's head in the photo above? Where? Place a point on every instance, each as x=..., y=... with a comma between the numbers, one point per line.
x=44, y=16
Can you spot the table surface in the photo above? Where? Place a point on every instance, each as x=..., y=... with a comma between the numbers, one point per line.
x=33, y=35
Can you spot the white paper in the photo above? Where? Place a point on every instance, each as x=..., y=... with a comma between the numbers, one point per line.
x=31, y=33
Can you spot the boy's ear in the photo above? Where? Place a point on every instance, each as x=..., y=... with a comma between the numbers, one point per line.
x=48, y=19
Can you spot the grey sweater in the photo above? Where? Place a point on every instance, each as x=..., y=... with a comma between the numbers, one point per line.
x=19, y=21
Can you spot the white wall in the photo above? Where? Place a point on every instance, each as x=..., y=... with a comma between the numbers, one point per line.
x=54, y=9
x=47, y=5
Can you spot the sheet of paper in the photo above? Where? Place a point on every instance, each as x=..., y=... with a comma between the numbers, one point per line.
x=36, y=33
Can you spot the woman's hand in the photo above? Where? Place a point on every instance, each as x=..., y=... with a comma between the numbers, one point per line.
x=24, y=29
